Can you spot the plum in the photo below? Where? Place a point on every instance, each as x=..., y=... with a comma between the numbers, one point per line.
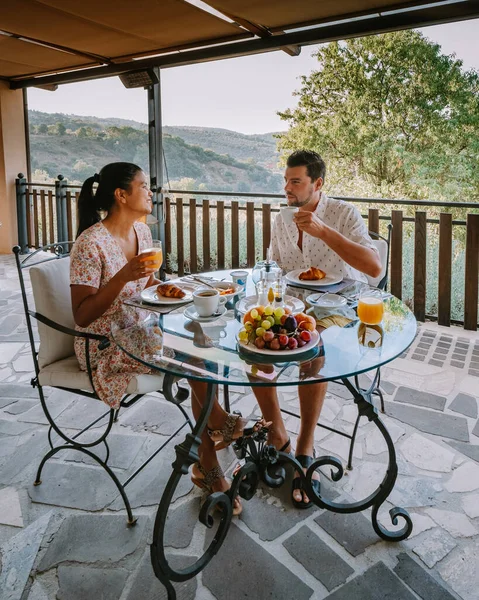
x=290, y=324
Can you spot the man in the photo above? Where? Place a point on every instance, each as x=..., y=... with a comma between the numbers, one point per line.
x=331, y=235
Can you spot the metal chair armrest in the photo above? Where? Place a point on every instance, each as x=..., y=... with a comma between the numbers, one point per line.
x=104, y=341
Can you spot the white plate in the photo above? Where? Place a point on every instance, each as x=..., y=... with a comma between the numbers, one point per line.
x=208, y=281
x=190, y=313
x=245, y=304
x=219, y=285
x=151, y=296
x=327, y=300
x=330, y=279
x=315, y=337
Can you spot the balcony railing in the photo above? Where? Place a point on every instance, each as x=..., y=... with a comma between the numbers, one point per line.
x=434, y=258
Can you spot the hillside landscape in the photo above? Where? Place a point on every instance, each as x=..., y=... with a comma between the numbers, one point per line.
x=195, y=157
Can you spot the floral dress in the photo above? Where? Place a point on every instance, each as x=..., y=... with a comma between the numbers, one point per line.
x=95, y=258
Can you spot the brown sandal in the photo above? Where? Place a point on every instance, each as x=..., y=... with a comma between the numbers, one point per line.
x=206, y=479
x=224, y=437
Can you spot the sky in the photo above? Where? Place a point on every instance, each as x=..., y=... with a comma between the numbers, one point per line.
x=241, y=94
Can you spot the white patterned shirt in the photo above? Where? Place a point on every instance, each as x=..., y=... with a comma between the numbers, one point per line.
x=338, y=215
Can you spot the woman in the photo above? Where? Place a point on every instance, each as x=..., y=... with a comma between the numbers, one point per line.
x=106, y=270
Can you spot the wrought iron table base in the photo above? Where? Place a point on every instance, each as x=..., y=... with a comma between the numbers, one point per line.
x=263, y=462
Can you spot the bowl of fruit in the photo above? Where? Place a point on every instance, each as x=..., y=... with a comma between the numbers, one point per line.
x=269, y=330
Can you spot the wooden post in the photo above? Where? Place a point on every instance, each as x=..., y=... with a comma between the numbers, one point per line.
x=420, y=265
x=180, y=245
x=35, y=219
x=69, y=215
x=220, y=233
x=193, y=244
x=396, y=253
x=168, y=226
x=373, y=220
x=206, y=235
x=234, y=234
x=445, y=269
x=250, y=249
x=472, y=268
x=43, y=207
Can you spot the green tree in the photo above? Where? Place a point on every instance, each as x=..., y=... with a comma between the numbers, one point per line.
x=61, y=129
x=43, y=128
x=392, y=111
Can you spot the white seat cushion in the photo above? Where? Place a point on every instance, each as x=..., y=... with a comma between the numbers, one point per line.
x=51, y=291
x=67, y=373
x=382, y=247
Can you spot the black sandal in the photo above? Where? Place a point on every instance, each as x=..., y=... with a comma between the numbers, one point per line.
x=305, y=461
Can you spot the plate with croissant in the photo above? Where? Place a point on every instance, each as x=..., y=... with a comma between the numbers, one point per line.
x=168, y=293
x=313, y=276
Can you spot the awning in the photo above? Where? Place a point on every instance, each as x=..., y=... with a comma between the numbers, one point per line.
x=43, y=42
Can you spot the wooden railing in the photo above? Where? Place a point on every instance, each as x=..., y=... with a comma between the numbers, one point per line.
x=434, y=255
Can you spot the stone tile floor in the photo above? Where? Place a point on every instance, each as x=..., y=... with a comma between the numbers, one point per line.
x=67, y=538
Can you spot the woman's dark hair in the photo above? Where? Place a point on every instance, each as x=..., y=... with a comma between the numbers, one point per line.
x=112, y=176
x=315, y=165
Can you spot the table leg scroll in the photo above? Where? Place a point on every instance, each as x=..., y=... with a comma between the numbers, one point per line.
x=186, y=455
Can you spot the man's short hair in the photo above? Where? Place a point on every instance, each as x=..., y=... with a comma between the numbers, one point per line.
x=315, y=165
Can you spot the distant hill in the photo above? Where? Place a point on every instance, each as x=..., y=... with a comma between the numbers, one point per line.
x=196, y=157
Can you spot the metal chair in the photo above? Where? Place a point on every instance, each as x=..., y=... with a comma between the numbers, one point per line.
x=56, y=365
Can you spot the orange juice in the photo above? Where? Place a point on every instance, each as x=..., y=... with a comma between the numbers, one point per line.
x=157, y=257
x=370, y=310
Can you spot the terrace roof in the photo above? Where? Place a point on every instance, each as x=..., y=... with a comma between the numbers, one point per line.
x=44, y=42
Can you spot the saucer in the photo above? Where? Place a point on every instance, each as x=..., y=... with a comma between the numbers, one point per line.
x=190, y=313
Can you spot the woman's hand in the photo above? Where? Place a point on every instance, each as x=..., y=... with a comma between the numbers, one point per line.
x=138, y=267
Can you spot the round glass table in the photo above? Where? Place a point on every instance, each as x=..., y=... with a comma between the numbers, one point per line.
x=210, y=352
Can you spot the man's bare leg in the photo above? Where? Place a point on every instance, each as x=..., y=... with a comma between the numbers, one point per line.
x=311, y=399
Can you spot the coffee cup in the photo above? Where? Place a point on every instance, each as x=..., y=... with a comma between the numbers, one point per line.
x=207, y=301
x=287, y=213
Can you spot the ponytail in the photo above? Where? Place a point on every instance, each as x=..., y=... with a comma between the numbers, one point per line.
x=87, y=211
x=111, y=177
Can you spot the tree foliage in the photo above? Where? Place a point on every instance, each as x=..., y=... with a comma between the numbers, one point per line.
x=393, y=112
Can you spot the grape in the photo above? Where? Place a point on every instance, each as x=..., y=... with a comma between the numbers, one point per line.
x=265, y=325
x=243, y=335
x=254, y=313
x=274, y=345
x=268, y=336
x=305, y=336
x=292, y=343
x=301, y=343
x=283, y=340
x=277, y=320
x=268, y=310
x=275, y=328
x=270, y=319
x=259, y=342
x=260, y=331
x=248, y=326
x=279, y=312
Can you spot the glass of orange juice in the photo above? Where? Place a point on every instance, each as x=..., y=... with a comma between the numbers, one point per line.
x=156, y=247
x=370, y=306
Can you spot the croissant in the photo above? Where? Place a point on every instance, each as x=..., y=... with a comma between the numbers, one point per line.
x=312, y=274
x=170, y=290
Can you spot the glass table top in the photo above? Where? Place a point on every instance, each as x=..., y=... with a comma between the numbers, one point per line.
x=172, y=343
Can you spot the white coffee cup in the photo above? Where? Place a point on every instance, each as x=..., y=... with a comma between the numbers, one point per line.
x=206, y=301
x=287, y=213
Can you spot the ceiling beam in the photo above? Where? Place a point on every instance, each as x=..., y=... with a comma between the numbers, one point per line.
x=432, y=15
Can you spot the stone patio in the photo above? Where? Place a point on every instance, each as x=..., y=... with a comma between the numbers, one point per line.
x=67, y=539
